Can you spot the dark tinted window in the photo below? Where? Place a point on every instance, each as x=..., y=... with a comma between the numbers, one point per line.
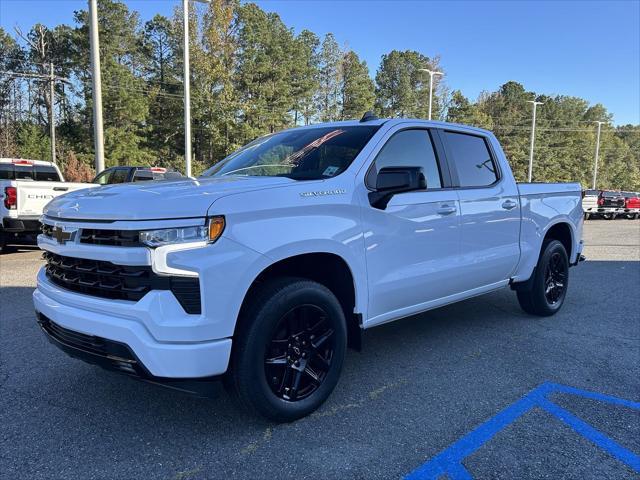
x=119, y=175
x=46, y=174
x=591, y=192
x=7, y=172
x=143, y=176
x=299, y=153
x=611, y=194
x=24, y=172
x=472, y=160
x=410, y=148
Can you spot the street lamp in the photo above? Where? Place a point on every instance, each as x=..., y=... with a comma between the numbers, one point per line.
x=533, y=136
x=431, y=74
x=98, y=129
x=187, y=87
x=595, y=168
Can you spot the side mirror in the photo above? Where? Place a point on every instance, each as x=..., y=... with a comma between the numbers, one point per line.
x=393, y=180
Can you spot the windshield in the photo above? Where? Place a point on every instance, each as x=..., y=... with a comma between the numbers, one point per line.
x=301, y=154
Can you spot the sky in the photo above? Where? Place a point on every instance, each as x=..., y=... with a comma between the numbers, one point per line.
x=589, y=49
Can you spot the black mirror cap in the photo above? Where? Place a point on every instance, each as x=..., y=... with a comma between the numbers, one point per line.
x=392, y=180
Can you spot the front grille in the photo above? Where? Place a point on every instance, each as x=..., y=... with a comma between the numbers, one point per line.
x=117, y=238
x=91, y=236
x=107, y=280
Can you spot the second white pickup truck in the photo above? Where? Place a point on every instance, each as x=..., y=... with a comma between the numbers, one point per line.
x=267, y=267
x=26, y=186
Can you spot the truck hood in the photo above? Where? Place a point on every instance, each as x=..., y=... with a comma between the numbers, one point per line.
x=154, y=200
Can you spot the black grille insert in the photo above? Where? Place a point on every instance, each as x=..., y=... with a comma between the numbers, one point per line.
x=92, y=236
x=122, y=282
x=117, y=238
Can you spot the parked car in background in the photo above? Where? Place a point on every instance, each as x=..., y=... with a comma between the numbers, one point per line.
x=26, y=186
x=265, y=268
x=631, y=205
x=610, y=204
x=126, y=174
x=590, y=203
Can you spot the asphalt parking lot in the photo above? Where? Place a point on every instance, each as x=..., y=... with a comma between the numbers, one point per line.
x=421, y=386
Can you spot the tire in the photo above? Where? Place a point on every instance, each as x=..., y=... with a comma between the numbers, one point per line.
x=553, y=266
x=587, y=216
x=608, y=216
x=271, y=337
x=3, y=245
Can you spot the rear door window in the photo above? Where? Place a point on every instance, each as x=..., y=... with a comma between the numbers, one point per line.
x=119, y=175
x=472, y=159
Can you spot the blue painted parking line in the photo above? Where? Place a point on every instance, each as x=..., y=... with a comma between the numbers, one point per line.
x=450, y=460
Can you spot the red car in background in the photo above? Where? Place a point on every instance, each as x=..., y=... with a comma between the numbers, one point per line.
x=631, y=204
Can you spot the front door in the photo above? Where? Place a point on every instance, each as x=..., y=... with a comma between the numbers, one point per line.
x=412, y=246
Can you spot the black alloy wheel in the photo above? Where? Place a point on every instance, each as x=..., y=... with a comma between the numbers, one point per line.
x=548, y=286
x=299, y=354
x=555, y=278
x=288, y=349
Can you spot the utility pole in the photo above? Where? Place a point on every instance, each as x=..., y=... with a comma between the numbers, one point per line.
x=595, y=168
x=431, y=74
x=533, y=137
x=98, y=129
x=52, y=114
x=187, y=86
x=51, y=78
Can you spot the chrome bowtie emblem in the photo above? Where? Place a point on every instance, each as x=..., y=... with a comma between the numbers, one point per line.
x=63, y=234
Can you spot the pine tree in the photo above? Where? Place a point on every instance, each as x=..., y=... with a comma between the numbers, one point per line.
x=358, y=90
x=328, y=96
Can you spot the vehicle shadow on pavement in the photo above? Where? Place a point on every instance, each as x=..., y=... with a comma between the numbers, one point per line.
x=423, y=381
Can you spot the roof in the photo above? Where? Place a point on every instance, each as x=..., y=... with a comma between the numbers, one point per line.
x=396, y=121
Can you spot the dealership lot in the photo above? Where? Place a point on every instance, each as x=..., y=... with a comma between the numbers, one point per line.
x=418, y=386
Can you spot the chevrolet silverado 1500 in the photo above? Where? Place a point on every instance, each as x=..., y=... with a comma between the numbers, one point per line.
x=26, y=186
x=263, y=270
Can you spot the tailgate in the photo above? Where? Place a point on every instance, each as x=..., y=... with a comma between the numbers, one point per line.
x=33, y=196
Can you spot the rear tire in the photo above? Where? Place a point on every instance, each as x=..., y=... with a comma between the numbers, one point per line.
x=587, y=216
x=3, y=245
x=550, y=282
x=288, y=349
x=608, y=216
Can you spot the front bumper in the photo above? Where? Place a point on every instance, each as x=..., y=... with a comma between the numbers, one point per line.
x=133, y=325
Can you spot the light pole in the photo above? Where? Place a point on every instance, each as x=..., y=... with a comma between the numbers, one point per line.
x=98, y=135
x=533, y=137
x=431, y=74
x=187, y=87
x=595, y=168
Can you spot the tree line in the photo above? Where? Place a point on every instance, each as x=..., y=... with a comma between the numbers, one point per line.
x=251, y=74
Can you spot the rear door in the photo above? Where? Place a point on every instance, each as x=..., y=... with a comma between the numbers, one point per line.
x=411, y=246
x=489, y=210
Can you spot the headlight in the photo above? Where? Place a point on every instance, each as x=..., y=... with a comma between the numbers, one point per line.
x=169, y=236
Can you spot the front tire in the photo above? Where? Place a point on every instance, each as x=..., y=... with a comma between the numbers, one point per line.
x=550, y=282
x=289, y=349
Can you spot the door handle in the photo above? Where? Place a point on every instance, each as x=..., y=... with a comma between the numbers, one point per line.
x=446, y=210
x=509, y=205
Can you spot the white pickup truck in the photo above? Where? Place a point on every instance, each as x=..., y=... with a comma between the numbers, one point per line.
x=262, y=271
x=26, y=186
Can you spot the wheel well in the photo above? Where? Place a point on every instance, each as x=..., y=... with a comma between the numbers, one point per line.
x=562, y=233
x=326, y=268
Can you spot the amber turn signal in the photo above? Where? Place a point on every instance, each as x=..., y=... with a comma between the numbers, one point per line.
x=216, y=227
